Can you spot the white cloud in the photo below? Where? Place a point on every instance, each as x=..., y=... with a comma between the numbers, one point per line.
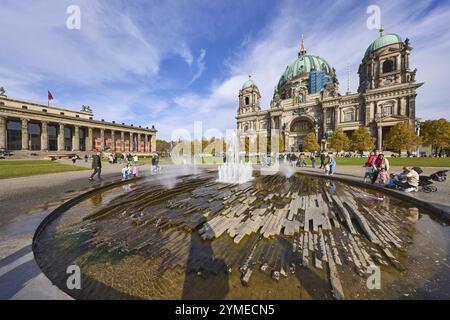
x=200, y=63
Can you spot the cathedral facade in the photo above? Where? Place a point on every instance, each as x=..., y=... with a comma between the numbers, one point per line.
x=306, y=98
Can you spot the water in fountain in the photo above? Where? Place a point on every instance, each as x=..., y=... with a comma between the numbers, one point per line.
x=234, y=170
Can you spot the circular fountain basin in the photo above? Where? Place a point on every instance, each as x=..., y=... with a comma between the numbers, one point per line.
x=275, y=237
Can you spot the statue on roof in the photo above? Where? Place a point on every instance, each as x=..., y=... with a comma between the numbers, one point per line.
x=86, y=109
x=2, y=92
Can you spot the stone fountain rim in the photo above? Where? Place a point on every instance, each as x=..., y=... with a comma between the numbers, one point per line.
x=441, y=212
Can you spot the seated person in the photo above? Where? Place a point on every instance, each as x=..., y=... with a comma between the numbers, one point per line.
x=412, y=180
x=392, y=181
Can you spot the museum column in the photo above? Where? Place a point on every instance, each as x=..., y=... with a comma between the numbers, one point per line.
x=2, y=132
x=102, y=139
x=76, y=139
x=113, y=140
x=139, y=142
x=89, y=140
x=131, y=142
x=153, y=143
x=44, y=136
x=25, y=134
x=147, y=144
x=122, y=141
x=61, y=137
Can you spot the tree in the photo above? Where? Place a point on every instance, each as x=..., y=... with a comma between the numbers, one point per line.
x=339, y=141
x=401, y=137
x=361, y=140
x=436, y=133
x=310, y=144
x=163, y=147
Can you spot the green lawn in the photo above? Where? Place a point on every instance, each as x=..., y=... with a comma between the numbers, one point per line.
x=400, y=162
x=20, y=168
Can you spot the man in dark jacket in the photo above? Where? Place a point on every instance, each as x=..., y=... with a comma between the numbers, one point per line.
x=96, y=165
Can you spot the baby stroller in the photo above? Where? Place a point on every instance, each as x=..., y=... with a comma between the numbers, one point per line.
x=426, y=183
x=439, y=176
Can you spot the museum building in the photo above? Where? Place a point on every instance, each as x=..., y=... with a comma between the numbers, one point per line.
x=29, y=126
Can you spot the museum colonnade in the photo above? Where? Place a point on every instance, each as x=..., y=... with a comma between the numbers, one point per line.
x=39, y=135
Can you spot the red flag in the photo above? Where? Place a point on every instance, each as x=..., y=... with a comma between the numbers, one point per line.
x=50, y=97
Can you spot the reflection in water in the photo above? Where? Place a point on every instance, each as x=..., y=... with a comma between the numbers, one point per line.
x=275, y=237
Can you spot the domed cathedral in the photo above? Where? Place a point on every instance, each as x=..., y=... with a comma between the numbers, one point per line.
x=306, y=98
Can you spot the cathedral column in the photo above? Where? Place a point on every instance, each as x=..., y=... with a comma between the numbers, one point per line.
x=324, y=121
x=76, y=139
x=412, y=107
x=44, y=136
x=3, y=132
x=337, y=117
x=25, y=145
x=61, y=137
x=380, y=138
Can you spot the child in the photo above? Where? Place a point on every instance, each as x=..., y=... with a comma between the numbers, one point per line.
x=125, y=172
x=383, y=177
x=368, y=172
x=135, y=171
x=392, y=181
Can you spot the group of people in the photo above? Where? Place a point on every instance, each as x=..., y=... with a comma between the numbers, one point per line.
x=377, y=172
x=123, y=158
x=130, y=168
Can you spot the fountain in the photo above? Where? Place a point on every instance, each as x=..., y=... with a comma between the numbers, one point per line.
x=275, y=237
x=234, y=170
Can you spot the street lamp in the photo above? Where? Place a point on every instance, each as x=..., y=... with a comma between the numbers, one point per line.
x=417, y=123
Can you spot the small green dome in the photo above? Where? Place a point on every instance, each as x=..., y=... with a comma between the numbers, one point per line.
x=248, y=84
x=304, y=64
x=383, y=41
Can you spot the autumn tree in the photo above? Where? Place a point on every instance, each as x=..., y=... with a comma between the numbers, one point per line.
x=163, y=147
x=361, y=140
x=310, y=143
x=339, y=141
x=436, y=133
x=401, y=137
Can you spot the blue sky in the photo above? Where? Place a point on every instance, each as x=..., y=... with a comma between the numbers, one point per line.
x=170, y=63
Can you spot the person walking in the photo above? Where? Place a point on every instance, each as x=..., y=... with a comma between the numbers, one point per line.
x=332, y=164
x=322, y=160
x=326, y=164
x=313, y=160
x=96, y=165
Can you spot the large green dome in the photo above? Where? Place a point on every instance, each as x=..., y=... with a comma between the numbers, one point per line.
x=304, y=64
x=383, y=41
